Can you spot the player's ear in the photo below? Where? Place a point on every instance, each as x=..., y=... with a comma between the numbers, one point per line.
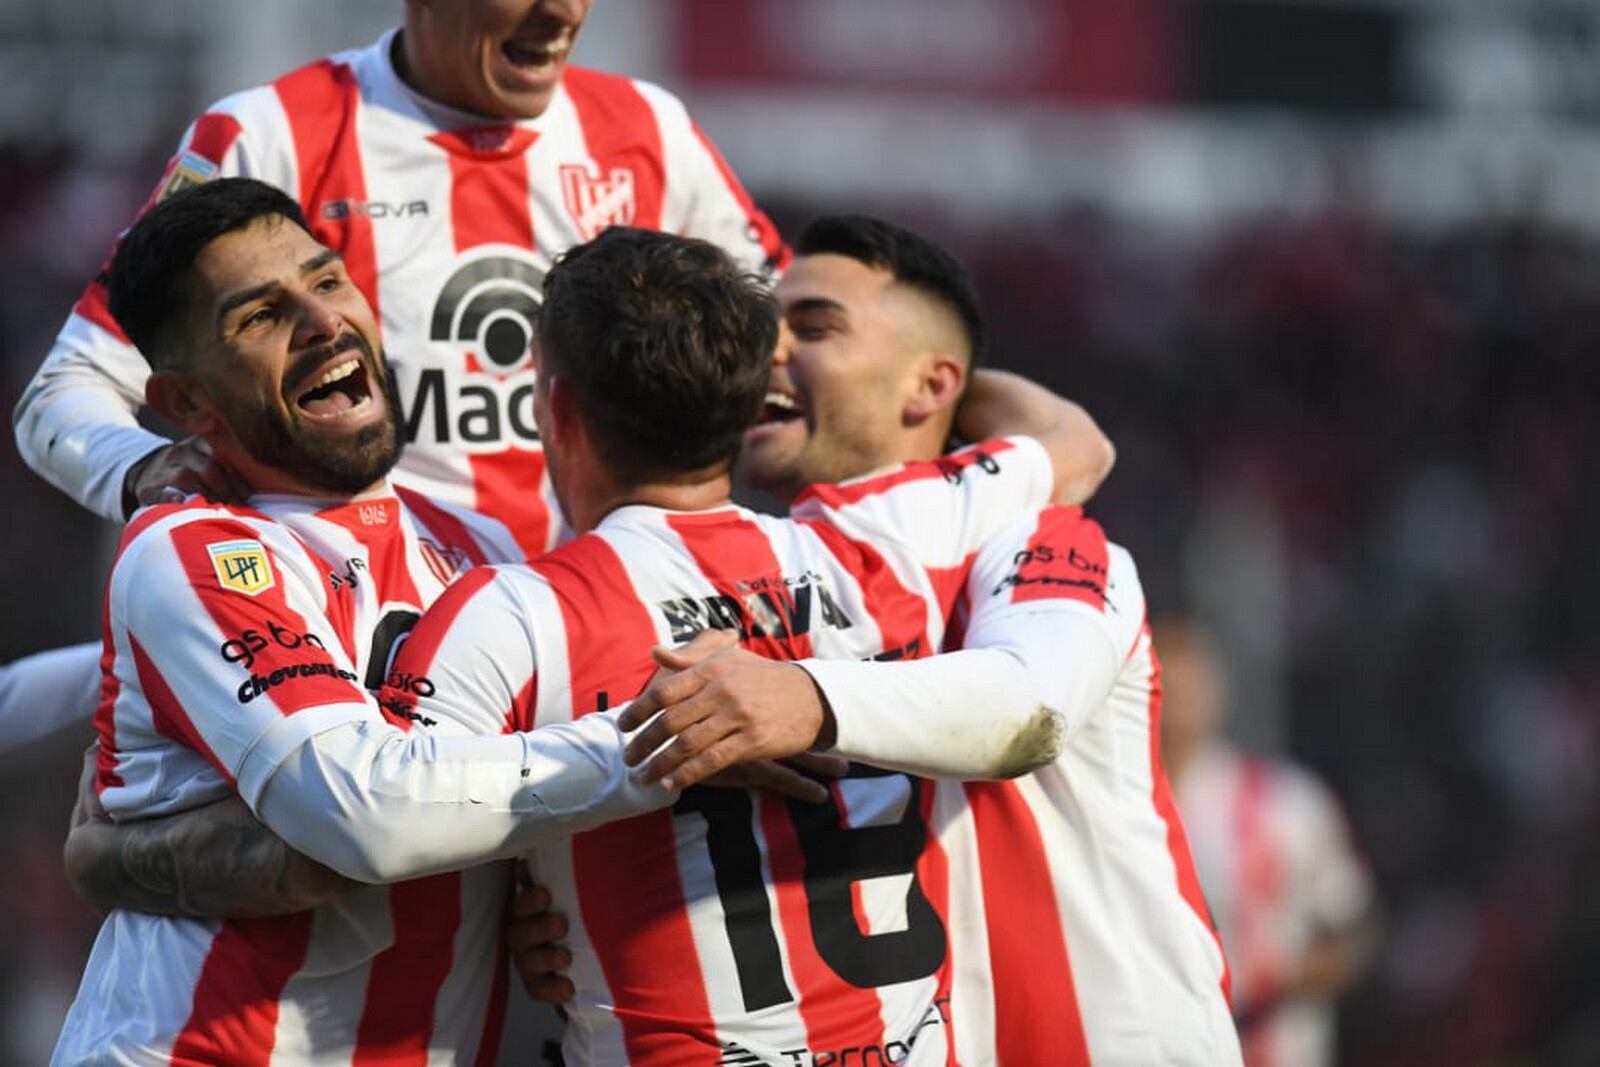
x=939, y=378
x=176, y=396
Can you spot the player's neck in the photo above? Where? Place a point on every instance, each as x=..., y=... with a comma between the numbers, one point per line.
x=701, y=491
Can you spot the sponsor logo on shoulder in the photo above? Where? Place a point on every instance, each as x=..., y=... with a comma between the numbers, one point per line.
x=191, y=169
x=242, y=566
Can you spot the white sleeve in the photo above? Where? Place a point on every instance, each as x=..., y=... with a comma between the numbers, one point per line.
x=940, y=512
x=76, y=424
x=1040, y=658
x=48, y=691
x=378, y=804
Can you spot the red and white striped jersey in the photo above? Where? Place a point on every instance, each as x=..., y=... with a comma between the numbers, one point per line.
x=233, y=634
x=1276, y=860
x=737, y=927
x=1078, y=932
x=448, y=225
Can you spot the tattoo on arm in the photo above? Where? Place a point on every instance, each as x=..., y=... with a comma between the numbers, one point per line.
x=213, y=862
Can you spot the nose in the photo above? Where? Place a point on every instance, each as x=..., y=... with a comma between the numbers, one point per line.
x=316, y=323
x=780, y=352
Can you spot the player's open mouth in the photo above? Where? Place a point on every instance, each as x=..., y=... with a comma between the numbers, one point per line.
x=341, y=390
x=779, y=407
x=533, y=54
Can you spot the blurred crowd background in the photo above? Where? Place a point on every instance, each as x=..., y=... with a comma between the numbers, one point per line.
x=1325, y=271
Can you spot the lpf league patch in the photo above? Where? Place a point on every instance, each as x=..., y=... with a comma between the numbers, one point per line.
x=191, y=169
x=241, y=566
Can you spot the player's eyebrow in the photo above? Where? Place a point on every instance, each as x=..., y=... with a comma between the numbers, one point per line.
x=814, y=303
x=256, y=292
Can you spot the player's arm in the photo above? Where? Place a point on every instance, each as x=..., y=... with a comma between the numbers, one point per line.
x=217, y=861
x=307, y=748
x=998, y=403
x=1034, y=668
x=76, y=423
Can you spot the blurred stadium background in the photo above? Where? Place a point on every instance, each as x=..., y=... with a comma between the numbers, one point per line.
x=1325, y=270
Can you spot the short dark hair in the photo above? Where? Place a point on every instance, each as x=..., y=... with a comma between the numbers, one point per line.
x=145, y=281
x=667, y=344
x=913, y=260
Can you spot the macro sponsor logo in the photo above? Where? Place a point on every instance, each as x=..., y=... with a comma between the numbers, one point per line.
x=257, y=684
x=243, y=648
x=492, y=304
x=339, y=210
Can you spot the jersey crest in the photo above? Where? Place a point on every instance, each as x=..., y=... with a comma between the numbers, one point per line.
x=598, y=200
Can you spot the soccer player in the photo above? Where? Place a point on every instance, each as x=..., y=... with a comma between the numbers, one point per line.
x=1292, y=898
x=239, y=642
x=1078, y=933
x=737, y=927
x=448, y=163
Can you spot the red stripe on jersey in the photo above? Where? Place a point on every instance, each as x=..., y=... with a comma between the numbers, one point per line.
x=1065, y=559
x=166, y=713
x=495, y=1017
x=508, y=486
x=321, y=101
x=377, y=526
x=489, y=199
x=214, y=134
x=761, y=228
x=92, y=305
x=837, y=1015
x=523, y=707
x=1177, y=840
x=403, y=987
x=490, y=203
x=951, y=467
x=631, y=895
x=235, y=1015
x=449, y=530
x=620, y=130
x=900, y=614
x=737, y=559
x=1036, y=1015
x=234, y=612
x=948, y=582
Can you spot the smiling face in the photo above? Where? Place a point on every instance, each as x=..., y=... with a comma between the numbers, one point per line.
x=848, y=358
x=283, y=374
x=498, y=58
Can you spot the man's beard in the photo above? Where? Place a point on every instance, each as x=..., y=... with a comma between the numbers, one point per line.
x=342, y=467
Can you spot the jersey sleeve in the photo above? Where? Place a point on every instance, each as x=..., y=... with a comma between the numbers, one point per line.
x=940, y=512
x=470, y=663
x=226, y=642
x=76, y=424
x=710, y=202
x=1032, y=670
